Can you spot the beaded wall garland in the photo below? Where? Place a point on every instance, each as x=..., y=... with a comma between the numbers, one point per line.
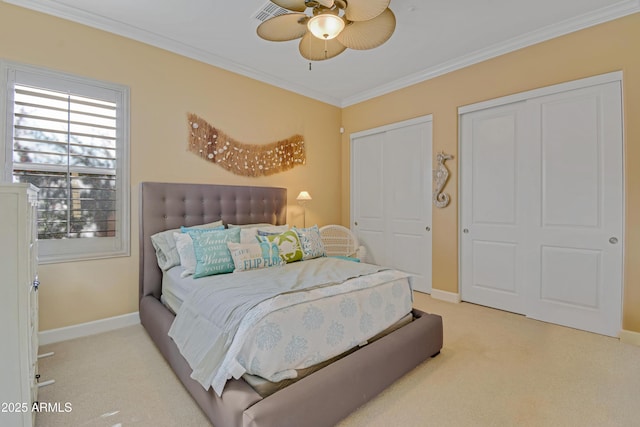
x=217, y=147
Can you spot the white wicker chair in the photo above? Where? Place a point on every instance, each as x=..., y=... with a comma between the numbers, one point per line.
x=340, y=241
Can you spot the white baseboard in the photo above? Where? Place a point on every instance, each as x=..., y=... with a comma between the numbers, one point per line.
x=90, y=328
x=630, y=337
x=445, y=296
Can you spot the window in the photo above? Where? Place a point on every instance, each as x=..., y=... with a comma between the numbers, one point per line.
x=68, y=136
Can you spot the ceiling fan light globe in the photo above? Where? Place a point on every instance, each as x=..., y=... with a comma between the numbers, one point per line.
x=326, y=26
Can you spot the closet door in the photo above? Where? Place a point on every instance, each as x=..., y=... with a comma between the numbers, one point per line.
x=391, y=197
x=493, y=214
x=367, y=198
x=541, y=208
x=576, y=225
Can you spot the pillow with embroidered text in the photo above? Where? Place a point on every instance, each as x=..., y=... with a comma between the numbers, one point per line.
x=184, y=247
x=252, y=256
x=211, y=251
x=165, y=245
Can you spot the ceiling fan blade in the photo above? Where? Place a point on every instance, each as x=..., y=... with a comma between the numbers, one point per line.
x=315, y=49
x=363, y=10
x=284, y=27
x=294, y=5
x=368, y=34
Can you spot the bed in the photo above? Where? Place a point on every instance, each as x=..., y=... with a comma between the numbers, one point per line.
x=321, y=398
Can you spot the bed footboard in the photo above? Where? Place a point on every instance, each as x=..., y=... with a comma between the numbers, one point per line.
x=330, y=394
x=323, y=398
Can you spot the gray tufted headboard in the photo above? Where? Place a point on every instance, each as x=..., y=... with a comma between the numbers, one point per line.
x=164, y=206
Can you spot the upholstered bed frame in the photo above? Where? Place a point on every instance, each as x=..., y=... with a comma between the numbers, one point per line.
x=320, y=399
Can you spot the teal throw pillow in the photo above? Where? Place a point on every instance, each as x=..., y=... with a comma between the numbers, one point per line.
x=212, y=253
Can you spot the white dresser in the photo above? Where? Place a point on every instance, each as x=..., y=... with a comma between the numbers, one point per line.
x=18, y=304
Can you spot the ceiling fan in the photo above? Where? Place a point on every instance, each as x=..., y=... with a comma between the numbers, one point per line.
x=334, y=25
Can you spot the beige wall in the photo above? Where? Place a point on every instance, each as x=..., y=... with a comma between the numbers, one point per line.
x=164, y=88
x=607, y=47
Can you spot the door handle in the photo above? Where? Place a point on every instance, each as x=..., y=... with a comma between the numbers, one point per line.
x=427, y=228
x=613, y=240
x=465, y=231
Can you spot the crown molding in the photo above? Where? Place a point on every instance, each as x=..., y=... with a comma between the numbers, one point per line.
x=112, y=26
x=552, y=31
x=568, y=26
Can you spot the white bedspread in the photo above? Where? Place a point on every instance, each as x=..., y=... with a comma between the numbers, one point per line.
x=339, y=305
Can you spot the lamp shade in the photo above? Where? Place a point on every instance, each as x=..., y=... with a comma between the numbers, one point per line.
x=303, y=196
x=325, y=26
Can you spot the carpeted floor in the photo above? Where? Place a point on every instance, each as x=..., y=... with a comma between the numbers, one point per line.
x=496, y=369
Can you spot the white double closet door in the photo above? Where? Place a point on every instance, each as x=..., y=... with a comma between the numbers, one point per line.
x=541, y=209
x=391, y=196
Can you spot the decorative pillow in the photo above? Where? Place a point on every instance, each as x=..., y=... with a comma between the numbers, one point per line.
x=249, y=234
x=184, y=229
x=312, y=246
x=251, y=256
x=288, y=245
x=212, y=253
x=274, y=229
x=165, y=245
x=184, y=247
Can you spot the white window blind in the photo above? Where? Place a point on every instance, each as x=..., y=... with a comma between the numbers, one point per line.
x=69, y=138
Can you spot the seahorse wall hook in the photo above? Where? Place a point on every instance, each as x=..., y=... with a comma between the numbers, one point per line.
x=440, y=176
